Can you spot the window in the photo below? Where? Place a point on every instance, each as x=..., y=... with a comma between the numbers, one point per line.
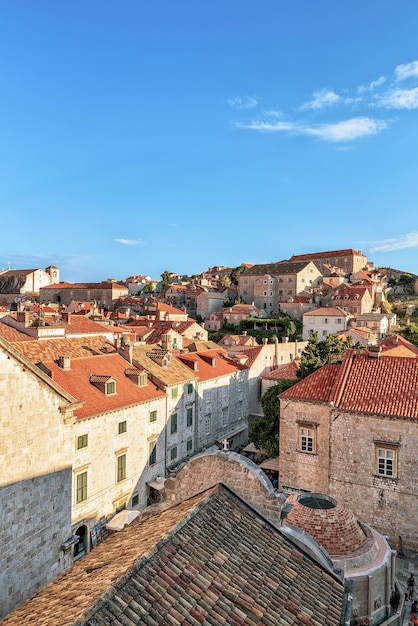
x=339, y=320
x=82, y=441
x=152, y=452
x=324, y=333
x=189, y=417
x=174, y=392
x=325, y=320
x=307, y=439
x=173, y=421
x=386, y=461
x=189, y=387
x=143, y=379
x=224, y=418
x=173, y=453
x=122, y=427
x=264, y=293
x=121, y=467
x=153, y=416
x=135, y=499
x=280, y=292
x=110, y=387
x=189, y=445
x=207, y=424
x=81, y=487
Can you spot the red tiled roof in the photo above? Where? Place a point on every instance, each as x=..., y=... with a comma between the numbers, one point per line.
x=222, y=364
x=329, y=254
x=288, y=371
x=385, y=386
x=208, y=560
x=77, y=382
x=329, y=311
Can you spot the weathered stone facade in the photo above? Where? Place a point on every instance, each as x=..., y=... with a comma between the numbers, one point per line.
x=35, y=479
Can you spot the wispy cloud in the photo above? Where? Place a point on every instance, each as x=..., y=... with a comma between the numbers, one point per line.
x=399, y=99
x=387, y=245
x=371, y=86
x=347, y=130
x=128, y=242
x=246, y=102
x=406, y=71
x=321, y=99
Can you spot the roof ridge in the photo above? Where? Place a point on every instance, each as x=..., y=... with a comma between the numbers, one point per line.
x=340, y=382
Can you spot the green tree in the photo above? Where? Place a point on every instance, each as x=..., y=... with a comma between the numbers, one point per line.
x=149, y=288
x=406, y=279
x=236, y=273
x=165, y=277
x=318, y=353
x=231, y=301
x=264, y=430
x=410, y=333
x=225, y=282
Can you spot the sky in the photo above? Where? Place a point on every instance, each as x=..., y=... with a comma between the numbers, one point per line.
x=138, y=137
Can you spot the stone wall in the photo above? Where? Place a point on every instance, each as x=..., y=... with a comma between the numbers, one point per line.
x=35, y=521
x=236, y=472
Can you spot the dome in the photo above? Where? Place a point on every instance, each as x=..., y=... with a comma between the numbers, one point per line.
x=334, y=527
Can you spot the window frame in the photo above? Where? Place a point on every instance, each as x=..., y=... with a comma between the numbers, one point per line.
x=121, y=467
x=122, y=427
x=153, y=416
x=80, y=441
x=81, y=492
x=189, y=416
x=307, y=438
x=152, y=452
x=387, y=449
x=173, y=424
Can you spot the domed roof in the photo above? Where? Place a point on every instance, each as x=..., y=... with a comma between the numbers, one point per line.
x=334, y=527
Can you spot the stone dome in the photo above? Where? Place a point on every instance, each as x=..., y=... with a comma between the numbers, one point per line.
x=334, y=527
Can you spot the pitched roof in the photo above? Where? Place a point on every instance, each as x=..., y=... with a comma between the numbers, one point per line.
x=210, y=364
x=288, y=371
x=276, y=269
x=52, y=349
x=328, y=311
x=209, y=560
x=78, y=382
x=384, y=386
x=173, y=373
x=396, y=345
x=103, y=285
x=326, y=255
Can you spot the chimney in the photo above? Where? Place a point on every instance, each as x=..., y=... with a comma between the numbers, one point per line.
x=374, y=352
x=23, y=317
x=285, y=339
x=64, y=362
x=265, y=341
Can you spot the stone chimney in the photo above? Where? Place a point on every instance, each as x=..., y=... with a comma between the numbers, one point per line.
x=23, y=317
x=64, y=362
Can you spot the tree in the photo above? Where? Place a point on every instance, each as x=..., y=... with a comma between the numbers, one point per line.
x=318, y=353
x=264, y=430
x=165, y=277
x=225, y=282
x=149, y=288
x=236, y=273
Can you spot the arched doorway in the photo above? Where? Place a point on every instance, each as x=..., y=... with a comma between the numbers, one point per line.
x=81, y=547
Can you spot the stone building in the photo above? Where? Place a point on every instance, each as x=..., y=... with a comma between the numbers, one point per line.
x=267, y=285
x=350, y=431
x=36, y=448
x=349, y=260
x=104, y=294
x=16, y=284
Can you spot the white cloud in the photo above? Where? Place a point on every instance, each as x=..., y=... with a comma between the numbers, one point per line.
x=347, y=130
x=406, y=71
x=387, y=245
x=322, y=99
x=399, y=99
x=371, y=86
x=128, y=242
x=247, y=102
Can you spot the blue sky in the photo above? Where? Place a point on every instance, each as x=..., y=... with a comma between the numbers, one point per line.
x=138, y=137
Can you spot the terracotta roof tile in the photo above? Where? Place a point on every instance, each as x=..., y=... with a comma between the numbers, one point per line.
x=385, y=386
